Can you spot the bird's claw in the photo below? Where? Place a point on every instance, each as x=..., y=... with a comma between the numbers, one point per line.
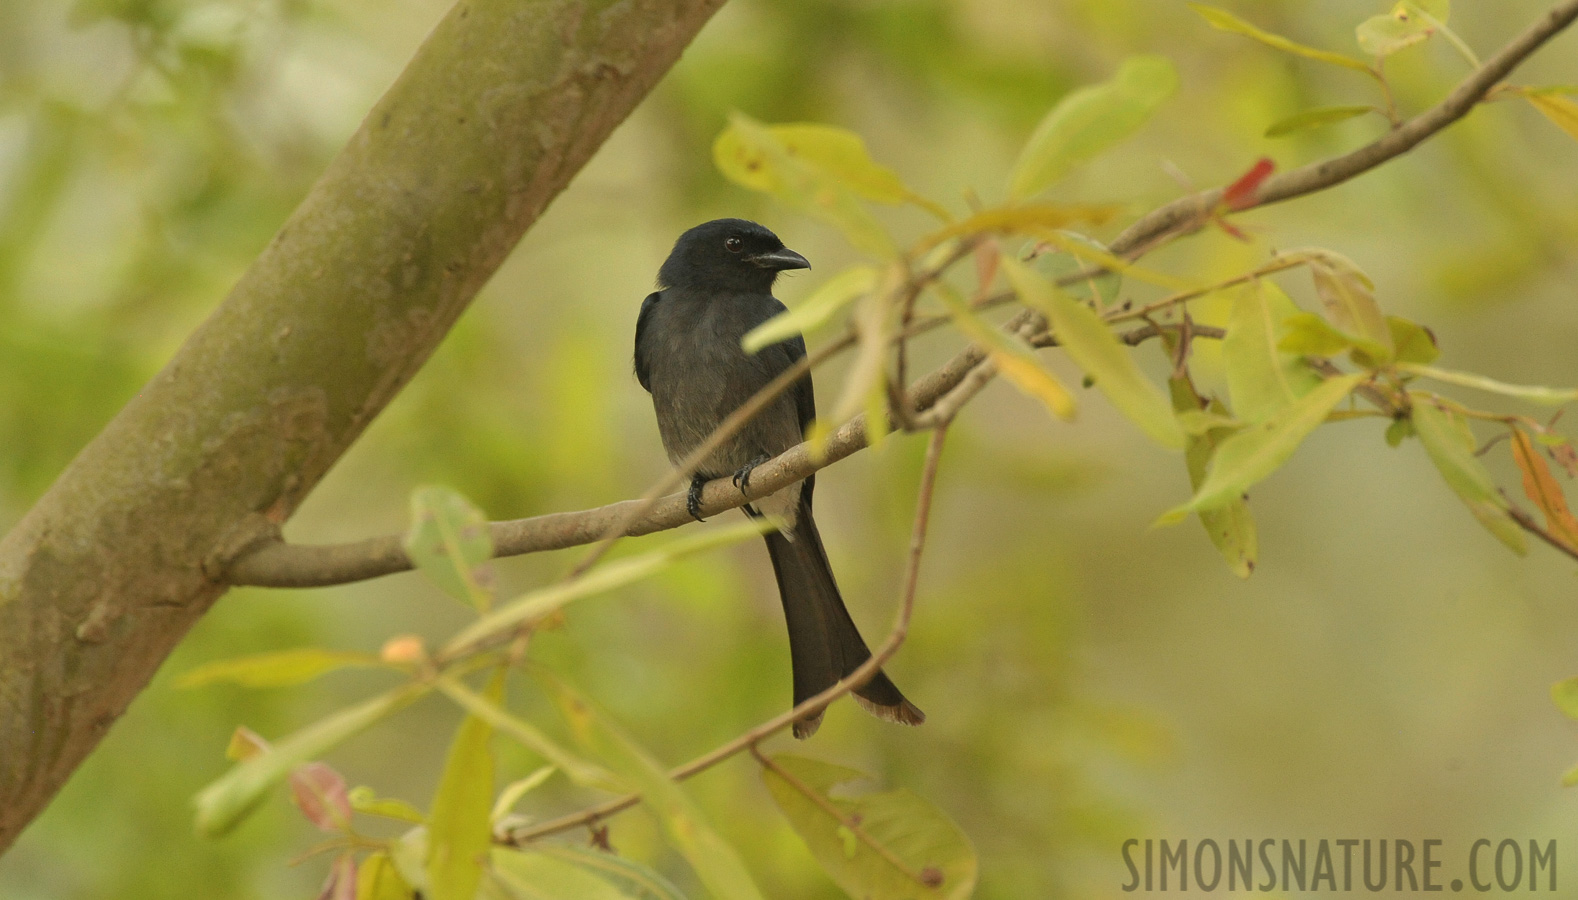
x=742, y=475
x=693, y=497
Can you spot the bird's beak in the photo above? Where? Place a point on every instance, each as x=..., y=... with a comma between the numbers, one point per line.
x=779, y=260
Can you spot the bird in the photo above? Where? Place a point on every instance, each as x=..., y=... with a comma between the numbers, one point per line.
x=716, y=285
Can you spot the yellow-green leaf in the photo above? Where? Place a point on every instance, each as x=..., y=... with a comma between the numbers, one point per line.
x=449, y=542
x=1414, y=342
x=1091, y=119
x=459, y=829
x=378, y=879
x=716, y=862
x=233, y=795
x=534, y=605
x=1093, y=346
x=578, y=770
x=888, y=844
x=1348, y=296
x=630, y=876
x=529, y=875
x=1450, y=444
x=823, y=303
x=1012, y=358
x=1316, y=118
x=1559, y=110
x=1565, y=695
x=1023, y=218
x=1231, y=527
x=1545, y=396
x=753, y=155
x=1254, y=453
x=284, y=668
x=1264, y=376
x=1407, y=24
x=1306, y=334
x=1225, y=21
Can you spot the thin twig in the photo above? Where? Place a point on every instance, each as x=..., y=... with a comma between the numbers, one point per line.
x=860, y=676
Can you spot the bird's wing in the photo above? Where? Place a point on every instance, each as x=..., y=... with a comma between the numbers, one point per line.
x=643, y=368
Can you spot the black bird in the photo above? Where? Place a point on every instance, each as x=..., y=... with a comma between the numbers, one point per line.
x=715, y=286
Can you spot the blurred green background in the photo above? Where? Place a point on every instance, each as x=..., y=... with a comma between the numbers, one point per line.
x=1383, y=674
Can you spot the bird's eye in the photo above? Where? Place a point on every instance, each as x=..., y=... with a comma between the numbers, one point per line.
x=734, y=244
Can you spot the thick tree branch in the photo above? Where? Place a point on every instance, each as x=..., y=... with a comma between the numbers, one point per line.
x=499, y=108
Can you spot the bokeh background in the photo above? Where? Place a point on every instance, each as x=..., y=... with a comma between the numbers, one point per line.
x=1383, y=674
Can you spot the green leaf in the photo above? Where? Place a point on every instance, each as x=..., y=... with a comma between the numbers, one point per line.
x=830, y=297
x=365, y=800
x=515, y=790
x=1401, y=429
x=459, y=829
x=378, y=879
x=1414, y=342
x=284, y=668
x=1450, y=444
x=1348, y=296
x=450, y=543
x=635, y=879
x=1024, y=218
x=535, y=605
x=1408, y=23
x=755, y=156
x=1231, y=527
x=1094, y=253
x=1545, y=396
x=233, y=795
x=715, y=861
x=889, y=844
x=1225, y=21
x=1565, y=695
x=1090, y=343
x=1257, y=451
x=529, y=875
x=1013, y=359
x=1263, y=375
x=1091, y=119
x=1559, y=110
x=1316, y=118
x=576, y=769
x=1307, y=334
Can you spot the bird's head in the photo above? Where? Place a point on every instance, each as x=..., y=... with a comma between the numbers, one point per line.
x=728, y=255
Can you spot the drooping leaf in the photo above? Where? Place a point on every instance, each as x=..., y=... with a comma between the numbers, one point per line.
x=888, y=844
x=1263, y=376
x=528, y=735
x=1450, y=444
x=449, y=542
x=1260, y=449
x=1540, y=486
x=459, y=829
x=1545, y=396
x=1560, y=110
x=1091, y=119
x=535, y=605
x=1310, y=119
x=233, y=795
x=1225, y=21
x=755, y=156
x=1093, y=346
x=635, y=879
x=1407, y=23
x=529, y=875
x=365, y=800
x=1231, y=527
x=378, y=879
x=823, y=303
x=1012, y=358
x=865, y=383
x=716, y=862
x=284, y=668
x=319, y=792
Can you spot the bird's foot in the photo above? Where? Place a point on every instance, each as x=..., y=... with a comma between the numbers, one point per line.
x=742, y=475
x=693, y=497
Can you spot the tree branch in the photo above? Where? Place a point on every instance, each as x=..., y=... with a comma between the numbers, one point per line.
x=119, y=558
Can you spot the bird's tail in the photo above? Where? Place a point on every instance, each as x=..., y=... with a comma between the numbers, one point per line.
x=824, y=644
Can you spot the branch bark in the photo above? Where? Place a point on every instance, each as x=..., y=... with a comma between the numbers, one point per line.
x=499, y=108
